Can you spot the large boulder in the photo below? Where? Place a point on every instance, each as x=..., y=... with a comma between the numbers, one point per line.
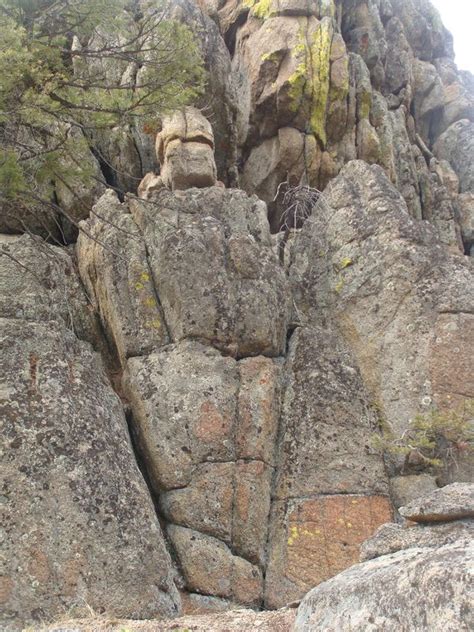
x=452, y=502
x=114, y=269
x=415, y=589
x=79, y=524
x=206, y=428
x=185, y=150
x=215, y=272
x=404, y=305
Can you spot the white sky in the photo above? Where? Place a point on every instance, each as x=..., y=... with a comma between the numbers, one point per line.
x=458, y=17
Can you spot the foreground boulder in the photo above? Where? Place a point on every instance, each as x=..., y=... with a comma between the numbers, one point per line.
x=416, y=589
x=416, y=578
x=78, y=522
x=448, y=503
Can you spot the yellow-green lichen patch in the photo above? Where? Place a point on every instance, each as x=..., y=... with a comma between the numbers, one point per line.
x=345, y=263
x=260, y=8
x=154, y=324
x=150, y=302
x=311, y=79
x=364, y=100
x=339, y=285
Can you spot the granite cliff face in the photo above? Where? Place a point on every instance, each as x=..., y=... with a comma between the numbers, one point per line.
x=191, y=386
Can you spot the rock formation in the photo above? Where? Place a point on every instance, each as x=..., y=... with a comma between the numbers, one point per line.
x=191, y=389
x=415, y=577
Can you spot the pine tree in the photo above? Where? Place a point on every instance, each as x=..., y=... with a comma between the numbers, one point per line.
x=70, y=68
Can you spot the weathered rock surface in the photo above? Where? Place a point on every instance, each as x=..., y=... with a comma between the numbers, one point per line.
x=38, y=282
x=415, y=589
x=78, y=522
x=390, y=538
x=185, y=150
x=453, y=502
x=214, y=269
x=114, y=268
x=206, y=428
x=402, y=302
x=329, y=490
x=404, y=489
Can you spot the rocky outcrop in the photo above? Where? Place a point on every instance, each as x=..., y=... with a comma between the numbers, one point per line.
x=365, y=264
x=414, y=577
x=324, y=83
x=251, y=371
x=79, y=523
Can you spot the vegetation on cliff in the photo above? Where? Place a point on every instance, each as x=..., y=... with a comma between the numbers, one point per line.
x=71, y=67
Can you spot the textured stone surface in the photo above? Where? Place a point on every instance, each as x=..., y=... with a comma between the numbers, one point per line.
x=386, y=281
x=390, y=538
x=206, y=428
x=185, y=150
x=38, y=282
x=456, y=144
x=184, y=400
x=404, y=489
x=114, y=268
x=452, y=502
x=327, y=422
x=209, y=567
x=419, y=589
x=78, y=520
x=214, y=269
x=313, y=540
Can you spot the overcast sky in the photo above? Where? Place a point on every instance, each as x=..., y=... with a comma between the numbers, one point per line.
x=458, y=17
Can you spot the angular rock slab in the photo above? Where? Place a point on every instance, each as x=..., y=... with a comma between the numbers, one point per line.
x=401, y=301
x=416, y=589
x=327, y=423
x=313, y=540
x=114, y=268
x=209, y=567
x=184, y=400
x=390, y=538
x=215, y=273
x=79, y=523
x=453, y=502
x=206, y=427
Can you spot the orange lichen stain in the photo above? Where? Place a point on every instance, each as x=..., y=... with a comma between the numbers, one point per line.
x=211, y=424
x=324, y=535
x=6, y=589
